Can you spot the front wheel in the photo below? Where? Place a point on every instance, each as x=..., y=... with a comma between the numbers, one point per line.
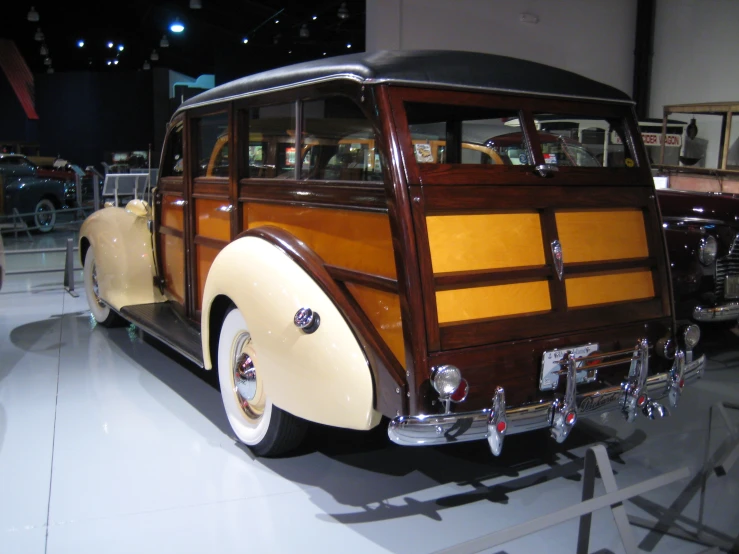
x=265, y=428
x=44, y=215
x=100, y=311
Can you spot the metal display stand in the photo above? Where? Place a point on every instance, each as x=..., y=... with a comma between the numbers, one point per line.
x=595, y=457
x=719, y=463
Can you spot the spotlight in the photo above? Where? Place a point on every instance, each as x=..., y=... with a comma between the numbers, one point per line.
x=245, y=40
x=177, y=27
x=164, y=43
x=110, y=45
x=39, y=36
x=147, y=67
x=196, y=4
x=80, y=44
x=154, y=56
x=50, y=70
x=44, y=51
x=47, y=61
x=33, y=14
x=120, y=48
x=348, y=44
x=115, y=62
x=315, y=17
x=304, y=32
x=109, y=62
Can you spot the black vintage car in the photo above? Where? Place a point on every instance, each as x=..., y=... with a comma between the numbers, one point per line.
x=35, y=198
x=703, y=245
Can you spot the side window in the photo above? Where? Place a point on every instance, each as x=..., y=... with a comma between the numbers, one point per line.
x=212, y=145
x=338, y=143
x=445, y=133
x=172, y=164
x=271, y=147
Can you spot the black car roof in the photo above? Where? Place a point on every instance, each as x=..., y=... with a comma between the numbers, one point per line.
x=435, y=68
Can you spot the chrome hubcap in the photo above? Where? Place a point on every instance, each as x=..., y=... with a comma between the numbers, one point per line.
x=245, y=378
x=44, y=216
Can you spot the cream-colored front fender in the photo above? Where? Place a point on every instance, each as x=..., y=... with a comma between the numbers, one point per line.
x=322, y=377
x=123, y=257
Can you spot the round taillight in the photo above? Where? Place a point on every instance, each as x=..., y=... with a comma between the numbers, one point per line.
x=460, y=395
x=682, y=383
x=641, y=400
x=570, y=418
x=501, y=427
x=446, y=380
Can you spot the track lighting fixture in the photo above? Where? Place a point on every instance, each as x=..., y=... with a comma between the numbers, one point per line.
x=164, y=43
x=33, y=14
x=343, y=12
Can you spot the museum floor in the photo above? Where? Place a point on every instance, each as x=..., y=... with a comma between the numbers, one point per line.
x=110, y=443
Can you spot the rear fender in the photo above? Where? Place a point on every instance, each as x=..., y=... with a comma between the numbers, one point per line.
x=324, y=376
x=123, y=257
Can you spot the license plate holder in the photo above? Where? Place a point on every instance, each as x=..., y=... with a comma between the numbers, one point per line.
x=550, y=364
x=731, y=287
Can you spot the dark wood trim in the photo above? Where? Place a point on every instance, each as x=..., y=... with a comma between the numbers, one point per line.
x=608, y=267
x=523, y=327
x=189, y=142
x=209, y=242
x=657, y=245
x=502, y=198
x=239, y=141
x=391, y=119
x=370, y=280
x=203, y=196
x=557, y=290
x=306, y=193
x=210, y=186
x=485, y=277
x=430, y=313
x=203, y=111
x=469, y=174
x=171, y=232
x=387, y=373
x=170, y=185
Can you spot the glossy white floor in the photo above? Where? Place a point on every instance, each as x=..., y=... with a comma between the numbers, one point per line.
x=109, y=443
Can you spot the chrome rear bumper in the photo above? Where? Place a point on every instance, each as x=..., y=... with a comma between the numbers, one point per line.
x=725, y=312
x=470, y=426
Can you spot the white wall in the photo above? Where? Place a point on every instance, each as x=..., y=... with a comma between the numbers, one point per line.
x=592, y=37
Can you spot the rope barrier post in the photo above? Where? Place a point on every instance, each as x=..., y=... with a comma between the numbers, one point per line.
x=69, y=269
x=96, y=191
x=78, y=195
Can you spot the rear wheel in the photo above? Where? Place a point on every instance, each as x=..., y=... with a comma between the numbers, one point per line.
x=100, y=311
x=258, y=423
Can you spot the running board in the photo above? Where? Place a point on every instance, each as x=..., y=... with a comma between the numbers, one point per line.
x=162, y=322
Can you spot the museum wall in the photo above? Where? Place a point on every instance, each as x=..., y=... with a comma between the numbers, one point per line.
x=84, y=115
x=592, y=37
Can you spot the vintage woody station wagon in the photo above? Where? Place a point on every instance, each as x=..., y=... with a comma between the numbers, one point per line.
x=347, y=239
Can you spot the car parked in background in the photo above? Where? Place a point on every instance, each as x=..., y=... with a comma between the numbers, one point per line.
x=36, y=198
x=703, y=246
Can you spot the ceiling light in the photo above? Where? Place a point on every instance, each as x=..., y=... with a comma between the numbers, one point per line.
x=154, y=56
x=343, y=12
x=120, y=48
x=33, y=14
x=115, y=62
x=177, y=27
x=348, y=44
x=109, y=62
x=110, y=45
x=147, y=67
x=304, y=32
x=324, y=53
x=80, y=44
x=277, y=21
x=164, y=43
x=289, y=51
x=47, y=61
x=196, y=4
x=44, y=51
x=315, y=17
x=39, y=36
x=50, y=70
x=245, y=40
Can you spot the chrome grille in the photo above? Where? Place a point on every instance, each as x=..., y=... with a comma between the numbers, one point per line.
x=727, y=266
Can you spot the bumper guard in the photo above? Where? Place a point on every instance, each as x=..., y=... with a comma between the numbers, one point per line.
x=725, y=312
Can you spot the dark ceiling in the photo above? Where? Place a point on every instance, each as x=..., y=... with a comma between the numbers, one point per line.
x=212, y=41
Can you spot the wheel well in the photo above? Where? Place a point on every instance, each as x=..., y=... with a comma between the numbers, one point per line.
x=54, y=200
x=84, y=246
x=218, y=310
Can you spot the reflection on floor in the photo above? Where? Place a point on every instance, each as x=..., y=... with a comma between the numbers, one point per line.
x=110, y=443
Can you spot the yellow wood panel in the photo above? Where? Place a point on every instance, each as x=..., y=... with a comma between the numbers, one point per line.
x=602, y=235
x=213, y=218
x=383, y=310
x=173, y=264
x=205, y=256
x=602, y=289
x=495, y=301
x=354, y=240
x=488, y=241
x=172, y=212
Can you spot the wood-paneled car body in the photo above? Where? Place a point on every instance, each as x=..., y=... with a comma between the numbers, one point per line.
x=323, y=240
x=702, y=232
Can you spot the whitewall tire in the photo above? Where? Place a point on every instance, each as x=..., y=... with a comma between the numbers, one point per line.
x=44, y=215
x=259, y=424
x=101, y=312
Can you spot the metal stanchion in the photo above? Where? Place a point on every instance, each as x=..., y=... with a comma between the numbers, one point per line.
x=78, y=193
x=96, y=191
x=69, y=269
